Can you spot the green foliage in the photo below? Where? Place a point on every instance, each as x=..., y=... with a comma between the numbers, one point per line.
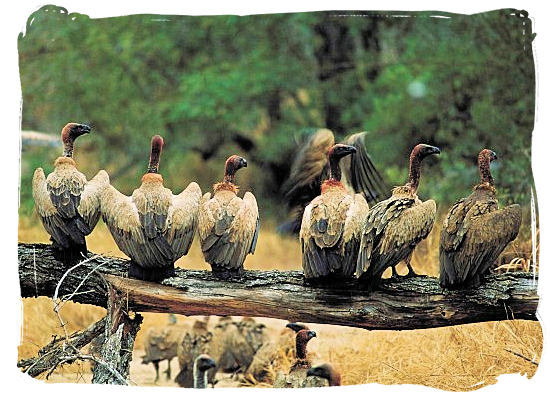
x=217, y=85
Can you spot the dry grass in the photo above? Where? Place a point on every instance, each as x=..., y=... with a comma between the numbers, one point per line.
x=454, y=358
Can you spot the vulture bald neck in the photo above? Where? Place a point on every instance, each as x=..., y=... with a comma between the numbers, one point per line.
x=69, y=134
x=203, y=363
x=335, y=154
x=484, y=160
x=419, y=152
x=157, y=143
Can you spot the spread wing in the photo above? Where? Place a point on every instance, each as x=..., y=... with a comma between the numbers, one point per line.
x=393, y=228
x=65, y=225
x=183, y=216
x=121, y=216
x=228, y=232
x=359, y=172
x=90, y=202
x=473, y=237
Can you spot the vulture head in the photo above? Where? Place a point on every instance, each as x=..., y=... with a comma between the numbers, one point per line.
x=302, y=338
x=157, y=142
x=203, y=362
x=484, y=159
x=419, y=152
x=69, y=133
x=335, y=153
x=325, y=371
x=232, y=164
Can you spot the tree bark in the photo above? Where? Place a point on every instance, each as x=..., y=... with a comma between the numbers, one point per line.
x=412, y=303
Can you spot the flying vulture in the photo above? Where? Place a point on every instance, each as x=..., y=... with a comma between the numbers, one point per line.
x=68, y=205
x=331, y=225
x=396, y=225
x=153, y=226
x=476, y=231
x=311, y=167
x=228, y=225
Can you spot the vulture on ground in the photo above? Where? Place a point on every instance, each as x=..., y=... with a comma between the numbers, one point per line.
x=325, y=371
x=311, y=167
x=268, y=357
x=153, y=227
x=476, y=231
x=228, y=225
x=161, y=345
x=331, y=225
x=203, y=363
x=194, y=343
x=296, y=377
x=68, y=205
x=396, y=225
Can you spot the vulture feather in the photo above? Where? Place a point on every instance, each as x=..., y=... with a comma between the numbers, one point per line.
x=67, y=203
x=311, y=167
x=331, y=225
x=396, y=225
x=476, y=231
x=153, y=226
x=228, y=226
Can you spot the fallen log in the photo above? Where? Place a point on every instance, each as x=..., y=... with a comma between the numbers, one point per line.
x=412, y=303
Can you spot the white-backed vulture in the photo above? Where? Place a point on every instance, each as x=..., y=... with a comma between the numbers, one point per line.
x=396, y=225
x=202, y=364
x=296, y=377
x=67, y=203
x=311, y=166
x=153, y=226
x=194, y=343
x=331, y=225
x=161, y=345
x=476, y=231
x=325, y=371
x=228, y=225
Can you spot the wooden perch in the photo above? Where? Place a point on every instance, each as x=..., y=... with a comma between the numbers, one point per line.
x=412, y=303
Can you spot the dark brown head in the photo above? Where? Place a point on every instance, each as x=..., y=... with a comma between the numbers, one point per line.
x=302, y=338
x=203, y=362
x=484, y=159
x=157, y=142
x=419, y=152
x=232, y=164
x=296, y=327
x=325, y=371
x=335, y=153
x=70, y=133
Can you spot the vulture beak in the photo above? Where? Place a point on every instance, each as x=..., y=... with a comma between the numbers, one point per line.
x=494, y=155
x=210, y=363
x=312, y=334
x=243, y=162
x=434, y=150
x=351, y=149
x=85, y=128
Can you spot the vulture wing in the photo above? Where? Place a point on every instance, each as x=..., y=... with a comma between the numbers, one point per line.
x=355, y=220
x=228, y=231
x=90, y=203
x=359, y=172
x=393, y=228
x=183, y=215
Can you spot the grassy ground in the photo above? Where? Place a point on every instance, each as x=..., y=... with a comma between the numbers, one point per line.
x=457, y=358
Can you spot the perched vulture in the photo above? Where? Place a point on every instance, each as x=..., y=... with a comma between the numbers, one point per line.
x=296, y=377
x=228, y=225
x=153, y=226
x=194, y=343
x=68, y=205
x=331, y=225
x=325, y=371
x=268, y=357
x=396, y=225
x=311, y=167
x=476, y=231
x=203, y=363
x=159, y=346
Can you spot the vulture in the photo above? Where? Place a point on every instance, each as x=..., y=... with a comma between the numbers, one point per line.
x=476, y=231
x=228, y=225
x=203, y=363
x=311, y=167
x=325, y=371
x=194, y=343
x=161, y=345
x=396, y=225
x=68, y=205
x=268, y=356
x=153, y=226
x=331, y=225
x=296, y=377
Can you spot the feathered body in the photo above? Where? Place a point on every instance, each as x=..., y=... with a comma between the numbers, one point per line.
x=67, y=203
x=194, y=343
x=311, y=167
x=331, y=225
x=476, y=231
x=325, y=372
x=153, y=226
x=228, y=226
x=396, y=225
x=161, y=345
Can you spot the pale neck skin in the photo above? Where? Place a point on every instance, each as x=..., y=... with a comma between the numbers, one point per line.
x=200, y=379
x=484, y=165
